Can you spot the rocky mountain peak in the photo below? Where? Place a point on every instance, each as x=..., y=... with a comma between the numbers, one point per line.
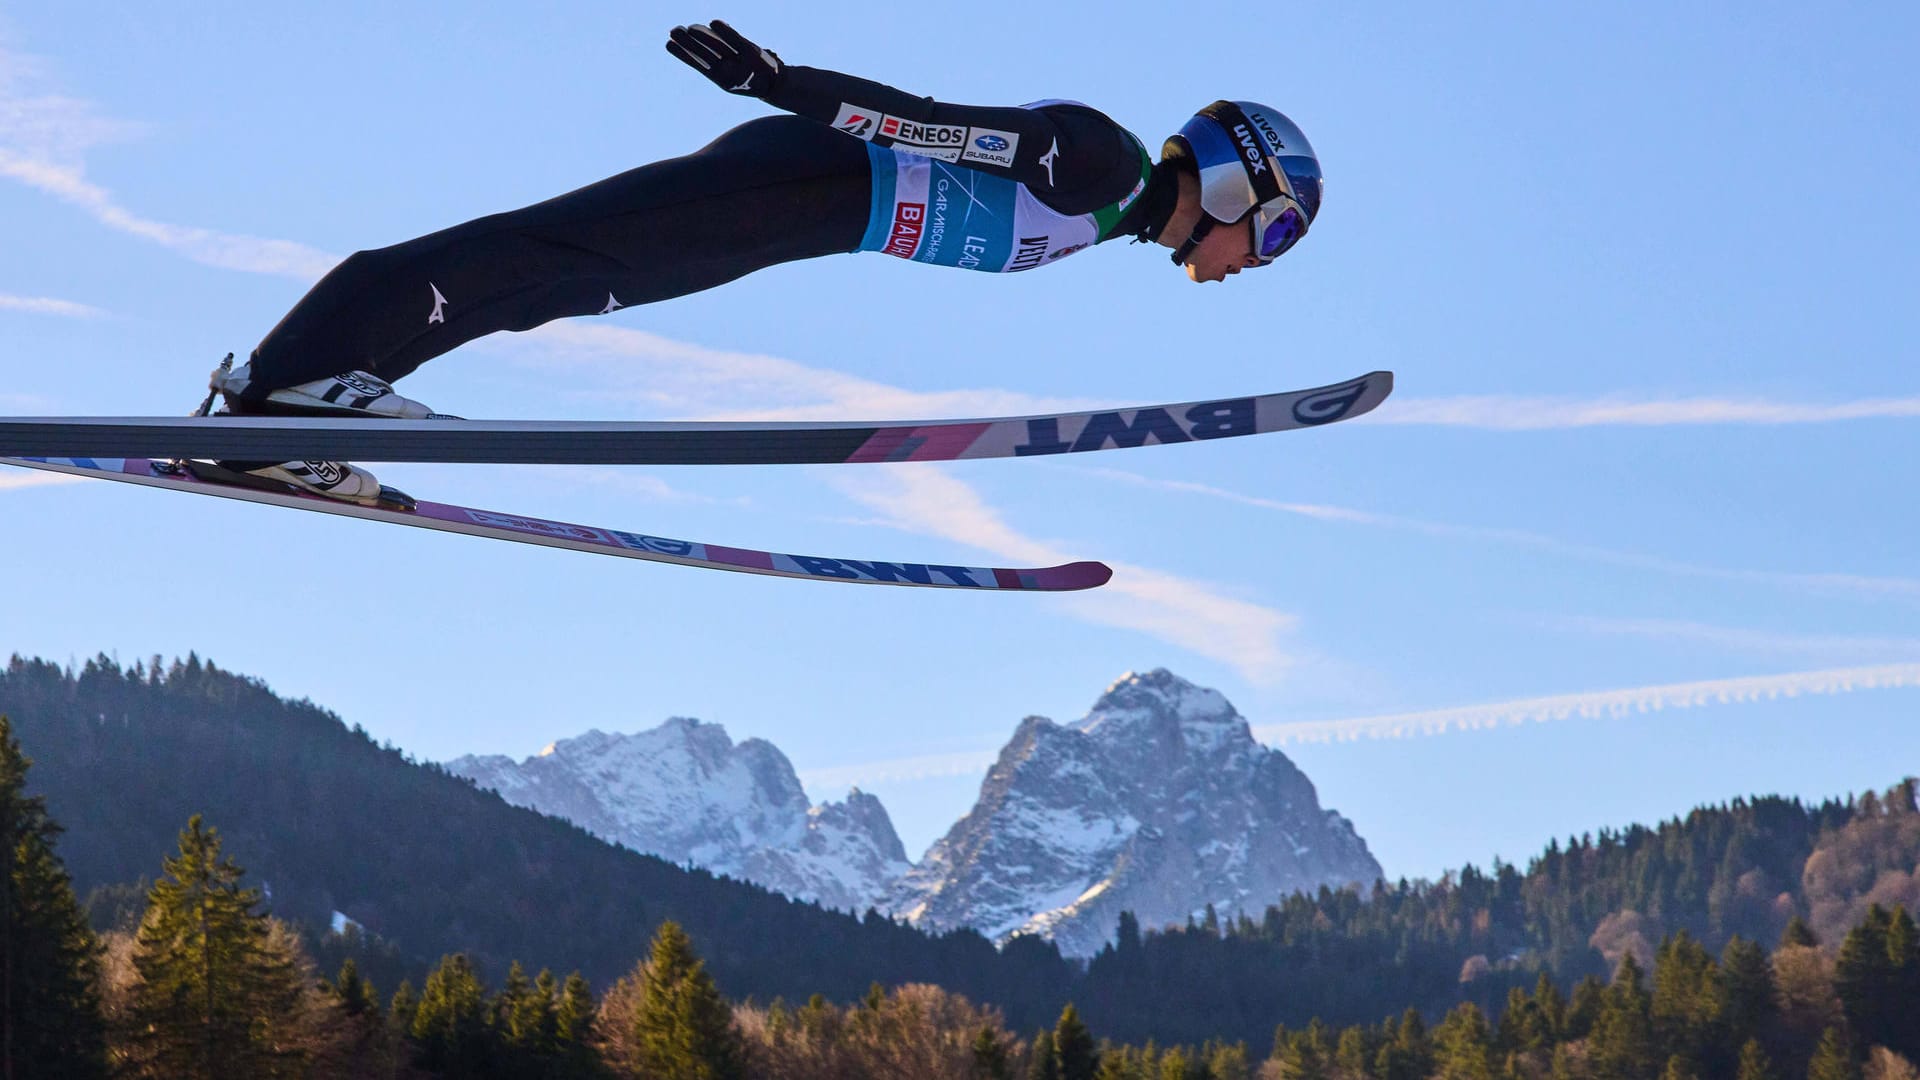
x=1158, y=801
x=686, y=792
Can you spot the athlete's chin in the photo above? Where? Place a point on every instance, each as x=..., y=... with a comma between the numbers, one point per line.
x=1199, y=277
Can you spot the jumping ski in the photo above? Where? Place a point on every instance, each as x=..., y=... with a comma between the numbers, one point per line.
x=603, y=442
x=523, y=529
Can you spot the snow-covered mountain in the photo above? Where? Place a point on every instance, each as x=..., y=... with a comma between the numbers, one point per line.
x=1158, y=801
x=686, y=792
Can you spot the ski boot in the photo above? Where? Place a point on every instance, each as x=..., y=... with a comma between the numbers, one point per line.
x=355, y=393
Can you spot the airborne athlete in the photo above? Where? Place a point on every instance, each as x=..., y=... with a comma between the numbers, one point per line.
x=859, y=167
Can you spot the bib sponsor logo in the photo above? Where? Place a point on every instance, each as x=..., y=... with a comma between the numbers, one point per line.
x=909, y=221
x=1132, y=195
x=1032, y=249
x=1208, y=420
x=936, y=231
x=992, y=147
x=1066, y=251
x=857, y=122
x=971, y=252
x=941, y=141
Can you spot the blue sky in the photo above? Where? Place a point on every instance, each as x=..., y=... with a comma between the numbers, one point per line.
x=1643, y=501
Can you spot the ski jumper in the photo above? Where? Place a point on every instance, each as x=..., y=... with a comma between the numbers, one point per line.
x=861, y=167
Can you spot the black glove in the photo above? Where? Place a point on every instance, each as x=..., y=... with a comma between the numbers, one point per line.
x=717, y=51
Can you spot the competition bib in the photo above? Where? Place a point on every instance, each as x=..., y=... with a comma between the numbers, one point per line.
x=938, y=213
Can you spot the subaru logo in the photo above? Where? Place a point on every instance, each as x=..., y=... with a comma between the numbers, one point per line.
x=990, y=142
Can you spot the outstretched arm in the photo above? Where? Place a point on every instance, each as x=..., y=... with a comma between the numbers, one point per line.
x=1061, y=149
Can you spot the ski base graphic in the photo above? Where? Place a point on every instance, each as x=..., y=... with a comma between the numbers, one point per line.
x=523, y=529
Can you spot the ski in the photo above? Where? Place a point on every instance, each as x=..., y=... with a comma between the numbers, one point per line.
x=523, y=529
x=603, y=442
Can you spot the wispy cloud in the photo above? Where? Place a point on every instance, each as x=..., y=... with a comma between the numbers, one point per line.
x=1598, y=704
x=921, y=498
x=46, y=305
x=1181, y=611
x=1889, y=587
x=1513, y=413
x=44, y=141
x=667, y=377
x=15, y=479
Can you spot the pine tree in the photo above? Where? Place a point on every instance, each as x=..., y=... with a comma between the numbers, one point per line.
x=1622, y=1044
x=1833, y=1059
x=1352, y=1053
x=1043, y=1063
x=1226, y=1061
x=1754, y=1063
x=524, y=1013
x=1903, y=984
x=1073, y=1044
x=355, y=993
x=1678, y=1069
x=1747, y=1005
x=1127, y=938
x=1304, y=1055
x=450, y=1025
x=683, y=1028
x=402, y=1009
x=573, y=1027
x=1863, y=978
x=1584, y=1010
x=211, y=988
x=1798, y=933
x=1463, y=1045
x=990, y=1055
x=51, y=1024
x=1408, y=1054
x=1686, y=1003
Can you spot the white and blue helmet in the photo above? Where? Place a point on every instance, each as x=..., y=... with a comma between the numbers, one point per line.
x=1251, y=158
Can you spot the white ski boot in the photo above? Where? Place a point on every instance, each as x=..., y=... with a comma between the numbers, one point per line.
x=355, y=393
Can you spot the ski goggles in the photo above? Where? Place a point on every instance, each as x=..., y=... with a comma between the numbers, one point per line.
x=1277, y=225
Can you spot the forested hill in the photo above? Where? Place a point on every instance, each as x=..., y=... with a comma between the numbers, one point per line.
x=326, y=820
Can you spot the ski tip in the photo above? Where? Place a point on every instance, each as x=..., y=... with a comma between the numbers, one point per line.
x=1379, y=384
x=1075, y=576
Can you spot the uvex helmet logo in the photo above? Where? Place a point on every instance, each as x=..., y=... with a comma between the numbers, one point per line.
x=1273, y=137
x=1250, y=146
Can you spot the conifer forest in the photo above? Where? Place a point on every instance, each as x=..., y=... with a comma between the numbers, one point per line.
x=189, y=935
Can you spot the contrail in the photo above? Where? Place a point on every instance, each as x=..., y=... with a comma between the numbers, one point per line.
x=1592, y=705
x=1597, y=705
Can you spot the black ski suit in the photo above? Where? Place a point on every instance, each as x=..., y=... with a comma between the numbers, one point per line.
x=860, y=167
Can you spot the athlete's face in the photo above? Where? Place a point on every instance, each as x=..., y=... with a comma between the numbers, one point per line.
x=1227, y=249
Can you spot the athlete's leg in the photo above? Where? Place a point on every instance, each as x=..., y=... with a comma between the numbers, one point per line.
x=769, y=191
